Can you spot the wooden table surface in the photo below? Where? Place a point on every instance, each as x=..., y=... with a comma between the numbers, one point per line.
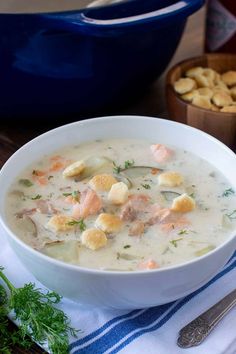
x=12, y=136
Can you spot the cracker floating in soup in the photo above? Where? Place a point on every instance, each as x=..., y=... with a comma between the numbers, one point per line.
x=122, y=205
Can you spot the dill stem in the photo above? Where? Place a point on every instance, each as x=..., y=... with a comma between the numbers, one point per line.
x=7, y=282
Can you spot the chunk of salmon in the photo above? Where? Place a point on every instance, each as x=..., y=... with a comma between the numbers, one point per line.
x=154, y=212
x=136, y=203
x=179, y=224
x=90, y=204
x=168, y=219
x=137, y=229
x=149, y=264
x=139, y=198
x=161, y=153
x=157, y=214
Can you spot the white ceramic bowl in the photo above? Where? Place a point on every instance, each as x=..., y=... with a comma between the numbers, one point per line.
x=124, y=290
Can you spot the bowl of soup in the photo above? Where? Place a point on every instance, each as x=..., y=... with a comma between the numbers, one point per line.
x=123, y=211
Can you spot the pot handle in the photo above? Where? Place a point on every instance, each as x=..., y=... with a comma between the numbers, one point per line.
x=72, y=20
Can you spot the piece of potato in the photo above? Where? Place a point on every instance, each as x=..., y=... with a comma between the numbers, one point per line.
x=118, y=193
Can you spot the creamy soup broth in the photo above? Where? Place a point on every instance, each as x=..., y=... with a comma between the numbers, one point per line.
x=177, y=208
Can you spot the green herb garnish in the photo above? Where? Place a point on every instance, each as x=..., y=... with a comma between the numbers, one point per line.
x=38, y=196
x=175, y=242
x=228, y=192
x=129, y=163
x=192, y=195
x=49, y=177
x=37, y=318
x=117, y=169
x=127, y=246
x=183, y=232
x=146, y=186
x=80, y=223
x=26, y=182
x=232, y=215
x=66, y=194
x=8, y=338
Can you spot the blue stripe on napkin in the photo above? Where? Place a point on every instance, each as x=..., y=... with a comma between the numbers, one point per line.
x=104, y=327
x=120, y=331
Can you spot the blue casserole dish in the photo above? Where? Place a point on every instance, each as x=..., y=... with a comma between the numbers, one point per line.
x=82, y=62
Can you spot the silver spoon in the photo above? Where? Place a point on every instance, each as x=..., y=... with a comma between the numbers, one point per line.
x=197, y=330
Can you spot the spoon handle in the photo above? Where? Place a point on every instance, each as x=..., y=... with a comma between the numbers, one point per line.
x=197, y=330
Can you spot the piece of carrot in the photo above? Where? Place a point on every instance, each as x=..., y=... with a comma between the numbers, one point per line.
x=161, y=153
x=57, y=166
x=38, y=173
x=149, y=264
x=40, y=177
x=43, y=181
x=56, y=158
x=154, y=171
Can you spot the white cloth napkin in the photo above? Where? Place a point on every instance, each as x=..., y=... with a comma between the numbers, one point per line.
x=152, y=331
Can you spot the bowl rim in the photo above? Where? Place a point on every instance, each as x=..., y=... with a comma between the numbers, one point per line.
x=102, y=272
x=174, y=68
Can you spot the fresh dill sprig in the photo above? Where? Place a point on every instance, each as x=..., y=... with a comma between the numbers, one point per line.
x=175, y=242
x=38, y=196
x=37, y=316
x=228, y=192
x=232, y=215
x=146, y=186
x=183, y=232
x=129, y=163
x=118, y=168
x=66, y=194
x=80, y=223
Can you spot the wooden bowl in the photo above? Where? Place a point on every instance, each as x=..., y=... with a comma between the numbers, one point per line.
x=218, y=124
